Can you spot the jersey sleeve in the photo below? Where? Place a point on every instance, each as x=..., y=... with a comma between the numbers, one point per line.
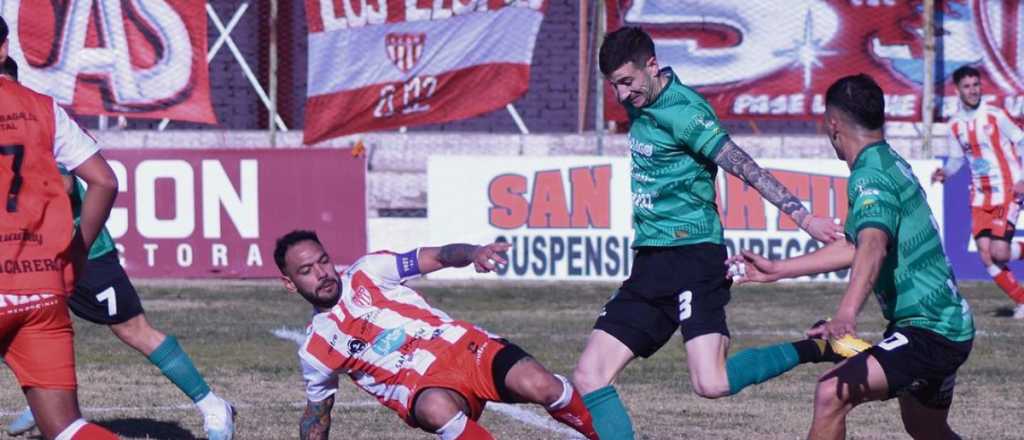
x=391, y=269
x=71, y=144
x=874, y=204
x=956, y=156
x=1008, y=128
x=697, y=127
x=319, y=385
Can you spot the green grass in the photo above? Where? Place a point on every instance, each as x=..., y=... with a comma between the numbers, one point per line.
x=225, y=327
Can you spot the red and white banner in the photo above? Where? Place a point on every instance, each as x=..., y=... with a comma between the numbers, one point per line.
x=217, y=213
x=143, y=59
x=379, y=64
x=771, y=59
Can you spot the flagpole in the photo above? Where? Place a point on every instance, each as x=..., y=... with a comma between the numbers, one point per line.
x=928, y=95
x=272, y=77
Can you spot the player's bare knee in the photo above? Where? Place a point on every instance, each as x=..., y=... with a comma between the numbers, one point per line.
x=545, y=389
x=587, y=379
x=710, y=389
x=827, y=401
x=434, y=408
x=999, y=257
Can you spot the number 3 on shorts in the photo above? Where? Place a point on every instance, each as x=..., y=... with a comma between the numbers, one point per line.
x=896, y=340
x=685, y=306
x=111, y=298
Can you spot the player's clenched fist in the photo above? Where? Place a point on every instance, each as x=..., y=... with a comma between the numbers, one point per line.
x=487, y=257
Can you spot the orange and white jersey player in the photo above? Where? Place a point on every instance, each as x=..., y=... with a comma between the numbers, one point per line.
x=435, y=372
x=984, y=137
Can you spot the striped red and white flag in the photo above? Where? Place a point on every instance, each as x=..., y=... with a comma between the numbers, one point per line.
x=383, y=64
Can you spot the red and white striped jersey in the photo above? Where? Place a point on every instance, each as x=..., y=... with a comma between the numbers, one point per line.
x=382, y=334
x=988, y=139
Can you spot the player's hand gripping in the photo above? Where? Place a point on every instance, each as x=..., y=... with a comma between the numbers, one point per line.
x=748, y=267
x=487, y=257
x=823, y=229
x=835, y=328
x=940, y=176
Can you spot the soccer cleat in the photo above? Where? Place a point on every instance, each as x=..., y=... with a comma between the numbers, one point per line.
x=22, y=424
x=220, y=424
x=1018, y=312
x=838, y=350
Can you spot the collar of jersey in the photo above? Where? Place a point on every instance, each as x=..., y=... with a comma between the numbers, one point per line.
x=883, y=142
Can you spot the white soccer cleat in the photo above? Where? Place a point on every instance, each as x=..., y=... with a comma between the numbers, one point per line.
x=22, y=424
x=1018, y=312
x=219, y=424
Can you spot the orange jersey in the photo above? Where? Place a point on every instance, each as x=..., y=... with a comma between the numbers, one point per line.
x=988, y=139
x=36, y=223
x=382, y=334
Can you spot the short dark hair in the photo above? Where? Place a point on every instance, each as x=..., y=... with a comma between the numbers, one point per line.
x=626, y=44
x=3, y=30
x=860, y=97
x=9, y=68
x=963, y=72
x=287, y=241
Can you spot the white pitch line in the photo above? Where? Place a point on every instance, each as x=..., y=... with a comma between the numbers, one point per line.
x=512, y=411
x=869, y=334
x=191, y=407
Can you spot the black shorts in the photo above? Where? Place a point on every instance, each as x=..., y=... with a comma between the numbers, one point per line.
x=682, y=287
x=920, y=363
x=104, y=294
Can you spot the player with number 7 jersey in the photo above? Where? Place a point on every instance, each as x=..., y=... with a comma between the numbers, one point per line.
x=40, y=251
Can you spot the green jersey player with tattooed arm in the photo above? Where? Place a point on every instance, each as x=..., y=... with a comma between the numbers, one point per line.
x=893, y=248
x=678, y=280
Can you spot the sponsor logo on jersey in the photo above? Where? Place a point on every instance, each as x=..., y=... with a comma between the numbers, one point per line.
x=408, y=264
x=641, y=148
x=389, y=341
x=356, y=346
x=980, y=166
x=22, y=236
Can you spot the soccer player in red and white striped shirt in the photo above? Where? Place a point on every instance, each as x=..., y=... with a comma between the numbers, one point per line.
x=436, y=372
x=991, y=144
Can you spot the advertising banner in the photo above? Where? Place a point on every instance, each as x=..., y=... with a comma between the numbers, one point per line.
x=771, y=59
x=143, y=59
x=570, y=218
x=217, y=213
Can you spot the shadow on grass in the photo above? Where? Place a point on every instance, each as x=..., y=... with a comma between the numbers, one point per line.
x=147, y=428
x=1003, y=312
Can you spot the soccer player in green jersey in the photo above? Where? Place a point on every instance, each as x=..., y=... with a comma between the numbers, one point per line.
x=678, y=280
x=893, y=249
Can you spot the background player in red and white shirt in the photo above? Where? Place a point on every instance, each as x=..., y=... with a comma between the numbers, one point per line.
x=436, y=372
x=990, y=142
x=36, y=339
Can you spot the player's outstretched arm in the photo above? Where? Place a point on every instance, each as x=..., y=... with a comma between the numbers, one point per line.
x=737, y=162
x=756, y=269
x=484, y=258
x=872, y=246
x=316, y=421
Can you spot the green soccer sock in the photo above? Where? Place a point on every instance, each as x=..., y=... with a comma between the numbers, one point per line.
x=174, y=363
x=611, y=421
x=756, y=365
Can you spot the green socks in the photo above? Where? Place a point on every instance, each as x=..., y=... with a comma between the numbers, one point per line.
x=756, y=365
x=174, y=363
x=611, y=421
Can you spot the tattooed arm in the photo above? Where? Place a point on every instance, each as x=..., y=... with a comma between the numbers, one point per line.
x=737, y=162
x=484, y=258
x=316, y=421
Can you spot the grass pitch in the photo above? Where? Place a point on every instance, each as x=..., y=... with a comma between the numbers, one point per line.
x=226, y=328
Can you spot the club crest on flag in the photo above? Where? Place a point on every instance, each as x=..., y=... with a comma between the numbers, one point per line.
x=404, y=49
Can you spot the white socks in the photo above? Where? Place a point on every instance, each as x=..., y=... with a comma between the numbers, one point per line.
x=72, y=429
x=453, y=429
x=566, y=396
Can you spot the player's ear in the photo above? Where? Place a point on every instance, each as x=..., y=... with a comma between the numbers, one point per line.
x=652, y=65
x=289, y=285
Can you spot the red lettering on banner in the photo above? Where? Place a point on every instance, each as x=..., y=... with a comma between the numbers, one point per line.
x=548, y=206
x=509, y=208
x=744, y=207
x=591, y=196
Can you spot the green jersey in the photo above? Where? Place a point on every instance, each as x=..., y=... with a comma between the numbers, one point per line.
x=915, y=285
x=673, y=142
x=104, y=242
